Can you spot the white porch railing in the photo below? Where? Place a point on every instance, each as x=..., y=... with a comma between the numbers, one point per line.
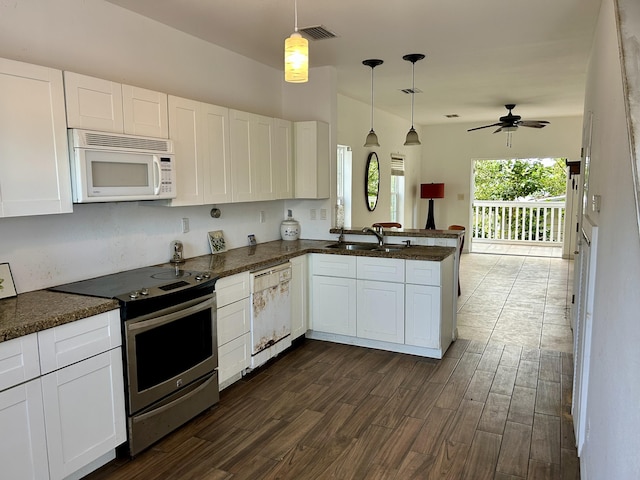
x=515, y=222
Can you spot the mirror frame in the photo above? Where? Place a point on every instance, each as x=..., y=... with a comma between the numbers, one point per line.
x=372, y=160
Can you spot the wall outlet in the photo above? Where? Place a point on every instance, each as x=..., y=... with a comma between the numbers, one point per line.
x=185, y=225
x=312, y=214
x=323, y=214
x=263, y=216
x=461, y=196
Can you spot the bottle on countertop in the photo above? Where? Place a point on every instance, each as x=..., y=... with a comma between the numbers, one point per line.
x=290, y=228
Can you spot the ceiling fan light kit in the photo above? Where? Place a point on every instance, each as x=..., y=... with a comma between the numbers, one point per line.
x=412, y=135
x=372, y=138
x=296, y=54
x=510, y=123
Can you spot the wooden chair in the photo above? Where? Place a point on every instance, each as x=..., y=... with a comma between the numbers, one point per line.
x=387, y=224
x=458, y=227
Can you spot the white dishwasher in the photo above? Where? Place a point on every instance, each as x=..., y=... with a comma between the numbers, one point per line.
x=270, y=312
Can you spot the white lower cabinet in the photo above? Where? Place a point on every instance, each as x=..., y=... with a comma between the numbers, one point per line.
x=23, y=446
x=422, y=316
x=334, y=305
x=386, y=303
x=233, y=319
x=84, y=412
x=381, y=311
x=68, y=421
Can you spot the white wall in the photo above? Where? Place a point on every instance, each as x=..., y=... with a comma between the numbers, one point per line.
x=448, y=152
x=97, y=38
x=613, y=414
x=354, y=123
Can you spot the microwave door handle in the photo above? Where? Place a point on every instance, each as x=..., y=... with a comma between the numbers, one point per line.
x=157, y=177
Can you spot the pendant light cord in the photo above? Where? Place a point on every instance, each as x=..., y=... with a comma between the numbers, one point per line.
x=372, y=98
x=295, y=15
x=413, y=88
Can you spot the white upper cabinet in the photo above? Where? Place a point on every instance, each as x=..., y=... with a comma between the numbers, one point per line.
x=200, y=134
x=251, y=156
x=312, y=158
x=283, y=158
x=97, y=104
x=34, y=154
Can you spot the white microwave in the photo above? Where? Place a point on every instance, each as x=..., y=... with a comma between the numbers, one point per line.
x=110, y=167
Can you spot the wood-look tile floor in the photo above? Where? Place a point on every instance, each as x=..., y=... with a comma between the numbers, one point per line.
x=487, y=410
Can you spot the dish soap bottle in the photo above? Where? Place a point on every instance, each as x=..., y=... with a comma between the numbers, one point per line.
x=290, y=228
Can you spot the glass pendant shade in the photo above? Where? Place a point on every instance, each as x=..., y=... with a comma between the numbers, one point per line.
x=412, y=135
x=296, y=54
x=372, y=138
x=296, y=59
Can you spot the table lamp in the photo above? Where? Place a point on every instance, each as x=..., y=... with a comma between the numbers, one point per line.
x=431, y=191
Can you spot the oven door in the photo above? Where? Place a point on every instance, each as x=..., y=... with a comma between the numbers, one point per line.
x=169, y=349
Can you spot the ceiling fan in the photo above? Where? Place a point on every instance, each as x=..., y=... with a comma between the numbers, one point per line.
x=511, y=122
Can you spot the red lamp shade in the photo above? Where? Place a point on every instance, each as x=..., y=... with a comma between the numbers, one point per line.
x=432, y=190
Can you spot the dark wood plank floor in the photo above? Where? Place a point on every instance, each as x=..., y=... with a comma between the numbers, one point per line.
x=326, y=410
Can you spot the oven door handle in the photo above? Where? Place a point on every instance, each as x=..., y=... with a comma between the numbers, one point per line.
x=176, y=313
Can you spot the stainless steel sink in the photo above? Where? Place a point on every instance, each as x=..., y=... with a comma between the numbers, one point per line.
x=389, y=249
x=367, y=246
x=353, y=246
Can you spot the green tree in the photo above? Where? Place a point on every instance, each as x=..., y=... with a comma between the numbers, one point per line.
x=513, y=179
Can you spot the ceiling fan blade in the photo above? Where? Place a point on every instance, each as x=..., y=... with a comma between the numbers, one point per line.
x=485, y=126
x=533, y=123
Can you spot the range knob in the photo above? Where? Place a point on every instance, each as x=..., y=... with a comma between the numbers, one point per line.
x=144, y=292
x=206, y=275
x=134, y=295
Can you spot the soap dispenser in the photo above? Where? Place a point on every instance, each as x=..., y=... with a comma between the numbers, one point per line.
x=290, y=228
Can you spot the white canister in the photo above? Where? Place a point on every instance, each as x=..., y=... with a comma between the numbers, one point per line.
x=290, y=228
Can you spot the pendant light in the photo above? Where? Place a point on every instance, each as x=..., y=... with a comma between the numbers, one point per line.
x=372, y=138
x=296, y=54
x=412, y=135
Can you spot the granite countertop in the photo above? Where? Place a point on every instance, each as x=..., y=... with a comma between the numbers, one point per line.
x=41, y=309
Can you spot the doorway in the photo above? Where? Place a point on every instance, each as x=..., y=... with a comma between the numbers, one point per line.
x=518, y=206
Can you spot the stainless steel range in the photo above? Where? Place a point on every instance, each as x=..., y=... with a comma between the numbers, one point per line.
x=170, y=346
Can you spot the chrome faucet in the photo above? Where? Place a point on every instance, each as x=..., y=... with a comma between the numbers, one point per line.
x=341, y=237
x=379, y=233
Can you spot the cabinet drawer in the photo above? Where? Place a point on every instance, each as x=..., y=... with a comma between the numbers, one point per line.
x=381, y=269
x=70, y=343
x=422, y=272
x=233, y=288
x=19, y=361
x=234, y=357
x=333, y=265
x=233, y=320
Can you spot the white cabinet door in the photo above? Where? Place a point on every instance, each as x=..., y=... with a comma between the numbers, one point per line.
x=144, y=112
x=34, y=153
x=260, y=137
x=283, y=158
x=312, y=158
x=234, y=357
x=241, y=174
x=93, y=103
x=19, y=361
x=84, y=412
x=299, y=298
x=334, y=305
x=23, y=448
x=251, y=156
x=233, y=320
x=186, y=133
x=423, y=317
x=381, y=311
x=233, y=288
x=217, y=158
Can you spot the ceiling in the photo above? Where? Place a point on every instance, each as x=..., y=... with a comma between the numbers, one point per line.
x=480, y=55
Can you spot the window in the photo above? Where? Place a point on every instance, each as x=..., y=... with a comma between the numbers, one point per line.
x=343, y=187
x=397, y=189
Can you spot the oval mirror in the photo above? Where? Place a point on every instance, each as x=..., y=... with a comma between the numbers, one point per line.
x=372, y=181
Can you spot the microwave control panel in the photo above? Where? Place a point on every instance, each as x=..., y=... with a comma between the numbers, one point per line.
x=166, y=175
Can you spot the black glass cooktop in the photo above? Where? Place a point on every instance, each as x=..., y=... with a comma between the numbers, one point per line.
x=141, y=282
